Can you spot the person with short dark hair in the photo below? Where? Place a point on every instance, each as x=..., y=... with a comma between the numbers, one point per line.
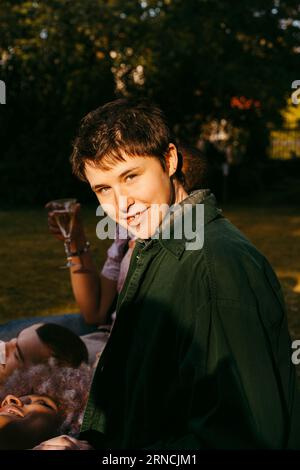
x=200, y=354
x=96, y=292
x=67, y=348
x=40, y=342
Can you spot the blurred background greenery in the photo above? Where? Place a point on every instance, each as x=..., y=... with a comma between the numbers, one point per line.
x=221, y=70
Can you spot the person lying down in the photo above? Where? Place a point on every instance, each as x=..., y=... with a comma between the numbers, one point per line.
x=42, y=402
x=38, y=343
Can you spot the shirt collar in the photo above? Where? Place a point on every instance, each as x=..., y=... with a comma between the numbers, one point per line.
x=177, y=246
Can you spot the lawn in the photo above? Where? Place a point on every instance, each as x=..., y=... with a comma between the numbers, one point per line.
x=32, y=283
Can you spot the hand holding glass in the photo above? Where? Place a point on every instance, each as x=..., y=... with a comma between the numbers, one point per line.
x=63, y=211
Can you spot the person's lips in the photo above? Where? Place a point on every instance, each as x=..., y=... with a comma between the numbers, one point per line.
x=135, y=219
x=11, y=410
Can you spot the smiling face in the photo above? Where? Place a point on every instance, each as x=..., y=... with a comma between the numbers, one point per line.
x=23, y=351
x=26, y=421
x=136, y=192
x=15, y=408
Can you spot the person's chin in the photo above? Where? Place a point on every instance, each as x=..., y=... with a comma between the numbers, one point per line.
x=135, y=231
x=143, y=232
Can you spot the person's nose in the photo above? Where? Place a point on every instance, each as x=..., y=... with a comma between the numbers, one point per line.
x=11, y=400
x=124, y=204
x=123, y=201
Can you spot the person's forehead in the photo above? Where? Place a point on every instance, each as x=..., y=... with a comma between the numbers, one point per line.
x=31, y=347
x=28, y=333
x=96, y=174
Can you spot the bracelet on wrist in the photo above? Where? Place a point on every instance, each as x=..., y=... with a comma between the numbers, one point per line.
x=81, y=251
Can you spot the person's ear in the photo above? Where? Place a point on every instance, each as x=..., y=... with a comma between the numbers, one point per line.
x=172, y=159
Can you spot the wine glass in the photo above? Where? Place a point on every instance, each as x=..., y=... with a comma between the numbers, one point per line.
x=64, y=214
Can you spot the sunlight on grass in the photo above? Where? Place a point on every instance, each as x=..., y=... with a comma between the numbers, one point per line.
x=32, y=283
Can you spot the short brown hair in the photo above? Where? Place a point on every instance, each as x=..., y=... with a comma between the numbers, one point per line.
x=121, y=127
x=67, y=348
x=194, y=167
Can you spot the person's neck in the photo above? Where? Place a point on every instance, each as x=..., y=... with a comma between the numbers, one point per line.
x=179, y=192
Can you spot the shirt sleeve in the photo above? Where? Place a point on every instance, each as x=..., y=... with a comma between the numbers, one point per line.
x=115, y=254
x=111, y=267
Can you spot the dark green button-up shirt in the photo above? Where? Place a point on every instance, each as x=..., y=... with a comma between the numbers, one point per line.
x=199, y=355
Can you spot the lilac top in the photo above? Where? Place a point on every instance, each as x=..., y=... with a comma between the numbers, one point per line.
x=118, y=259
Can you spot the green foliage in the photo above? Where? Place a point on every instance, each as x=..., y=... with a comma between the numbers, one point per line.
x=62, y=58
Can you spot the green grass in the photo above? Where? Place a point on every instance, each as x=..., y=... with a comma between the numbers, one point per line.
x=32, y=283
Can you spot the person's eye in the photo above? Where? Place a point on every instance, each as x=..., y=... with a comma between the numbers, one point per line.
x=103, y=190
x=44, y=403
x=130, y=177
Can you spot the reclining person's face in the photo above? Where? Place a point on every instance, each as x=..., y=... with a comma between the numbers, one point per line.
x=25, y=350
x=27, y=421
x=135, y=192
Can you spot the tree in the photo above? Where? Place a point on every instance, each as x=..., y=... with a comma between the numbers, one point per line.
x=201, y=60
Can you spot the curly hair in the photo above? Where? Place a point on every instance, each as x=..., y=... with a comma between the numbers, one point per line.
x=67, y=386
